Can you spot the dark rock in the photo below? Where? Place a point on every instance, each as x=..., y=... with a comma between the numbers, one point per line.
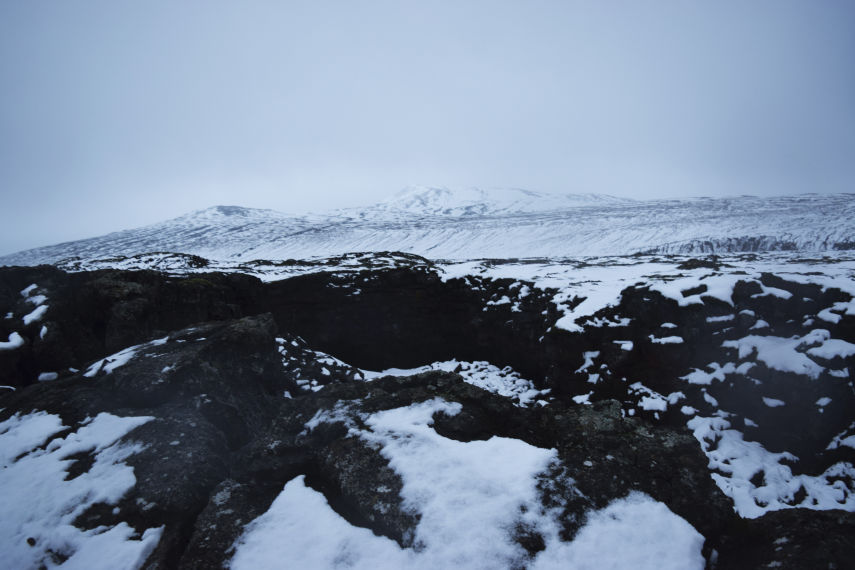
x=792, y=539
x=237, y=374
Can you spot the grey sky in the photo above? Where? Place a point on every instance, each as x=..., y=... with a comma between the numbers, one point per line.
x=114, y=113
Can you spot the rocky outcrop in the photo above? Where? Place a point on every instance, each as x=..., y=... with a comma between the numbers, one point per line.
x=224, y=441
x=242, y=389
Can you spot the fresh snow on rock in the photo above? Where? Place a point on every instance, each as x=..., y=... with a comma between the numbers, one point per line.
x=717, y=373
x=735, y=463
x=502, y=381
x=35, y=315
x=634, y=532
x=469, y=494
x=28, y=290
x=833, y=348
x=303, y=529
x=782, y=353
x=596, y=283
x=470, y=497
x=666, y=340
x=110, y=363
x=39, y=504
x=38, y=313
x=15, y=341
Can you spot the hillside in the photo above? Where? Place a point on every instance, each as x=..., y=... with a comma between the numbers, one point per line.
x=441, y=224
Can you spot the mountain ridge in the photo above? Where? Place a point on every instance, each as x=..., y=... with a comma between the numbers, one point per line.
x=444, y=224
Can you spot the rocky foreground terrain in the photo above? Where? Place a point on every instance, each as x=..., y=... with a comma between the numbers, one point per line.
x=384, y=411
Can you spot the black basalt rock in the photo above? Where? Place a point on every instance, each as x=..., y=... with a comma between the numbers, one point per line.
x=231, y=373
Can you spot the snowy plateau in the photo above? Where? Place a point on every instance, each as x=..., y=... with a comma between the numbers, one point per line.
x=447, y=379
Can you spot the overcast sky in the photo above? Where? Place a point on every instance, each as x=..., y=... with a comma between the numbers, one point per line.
x=115, y=114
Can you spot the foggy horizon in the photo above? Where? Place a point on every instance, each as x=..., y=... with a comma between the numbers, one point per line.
x=116, y=116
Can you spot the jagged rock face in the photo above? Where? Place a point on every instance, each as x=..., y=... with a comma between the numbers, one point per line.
x=408, y=318
x=95, y=314
x=372, y=320
x=237, y=401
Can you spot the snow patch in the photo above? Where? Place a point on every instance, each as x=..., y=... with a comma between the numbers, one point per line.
x=735, y=462
x=44, y=505
x=666, y=340
x=502, y=381
x=110, y=363
x=833, y=348
x=27, y=291
x=589, y=360
x=15, y=341
x=470, y=497
x=721, y=319
x=652, y=404
x=772, y=291
x=781, y=353
x=697, y=376
x=36, y=315
x=635, y=532
x=583, y=398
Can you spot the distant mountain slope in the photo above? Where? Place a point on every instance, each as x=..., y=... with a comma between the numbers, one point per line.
x=444, y=224
x=471, y=202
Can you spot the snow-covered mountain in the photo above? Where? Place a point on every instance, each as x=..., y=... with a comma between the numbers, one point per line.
x=423, y=201
x=466, y=224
